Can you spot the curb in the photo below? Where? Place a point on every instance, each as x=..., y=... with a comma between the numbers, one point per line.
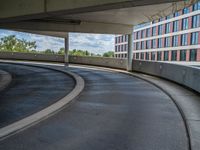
x=47, y=112
x=5, y=80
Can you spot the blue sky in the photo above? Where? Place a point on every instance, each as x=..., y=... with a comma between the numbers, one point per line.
x=96, y=43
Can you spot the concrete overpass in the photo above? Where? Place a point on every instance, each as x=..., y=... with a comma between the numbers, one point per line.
x=56, y=18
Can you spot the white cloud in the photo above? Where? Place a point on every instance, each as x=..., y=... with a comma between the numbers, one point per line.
x=95, y=43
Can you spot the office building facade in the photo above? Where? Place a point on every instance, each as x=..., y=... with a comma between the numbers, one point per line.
x=172, y=38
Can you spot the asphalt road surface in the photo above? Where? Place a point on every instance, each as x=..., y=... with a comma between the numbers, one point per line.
x=31, y=90
x=114, y=112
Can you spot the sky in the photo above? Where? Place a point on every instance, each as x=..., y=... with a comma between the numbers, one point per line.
x=95, y=43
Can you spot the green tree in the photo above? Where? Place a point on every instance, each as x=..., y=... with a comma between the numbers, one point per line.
x=13, y=44
x=79, y=53
x=49, y=51
x=61, y=51
x=108, y=54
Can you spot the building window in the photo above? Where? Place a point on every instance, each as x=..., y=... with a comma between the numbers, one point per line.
x=167, y=28
x=167, y=42
x=122, y=38
x=183, y=55
x=115, y=40
x=160, y=43
x=184, y=39
x=142, y=34
x=147, y=56
x=194, y=38
x=185, y=23
x=138, y=35
x=176, y=14
x=124, y=47
x=186, y=10
x=166, y=55
x=196, y=21
x=168, y=17
x=175, y=40
x=137, y=55
x=174, y=56
x=138, y=46
x=176, y=25
x=153, y=31
x=193, y=55
x=154, y=21
x=161, y=19
x=148, y=44
x=196, y=6
x=159, y=56
x=142, y=56
x=116, y=48
x=160, y=29
x=153, y=43
x=148, y=33
x=153, y=55
x=142, y=45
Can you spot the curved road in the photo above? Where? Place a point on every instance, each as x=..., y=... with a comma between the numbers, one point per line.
x=31, y=90
x=114, y=112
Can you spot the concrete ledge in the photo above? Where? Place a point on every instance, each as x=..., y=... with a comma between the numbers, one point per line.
x=5, y=79
x=98, y=61
x=31, y=56
x=184, y=75
x=47, y=112
x=187, y=76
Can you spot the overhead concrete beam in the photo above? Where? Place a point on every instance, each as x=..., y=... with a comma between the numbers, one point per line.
x=84, y=27
x=46, y=33
x=11, y=10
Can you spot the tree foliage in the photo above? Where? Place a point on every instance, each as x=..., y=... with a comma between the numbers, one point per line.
x=108, y=54
x=13, y=44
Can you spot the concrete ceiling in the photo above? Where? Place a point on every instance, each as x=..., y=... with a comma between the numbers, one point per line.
x=55, y=18
x=128, y=16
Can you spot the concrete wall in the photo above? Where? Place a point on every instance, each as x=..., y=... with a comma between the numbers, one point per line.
x=184, y=75
x=98, y=61
x=187, y=76
x=31, y=56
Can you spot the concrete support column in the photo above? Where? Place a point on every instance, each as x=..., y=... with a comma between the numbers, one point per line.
x=66, y=57
x=130, y=52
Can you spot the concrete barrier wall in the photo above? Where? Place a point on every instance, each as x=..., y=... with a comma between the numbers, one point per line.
x=98, y=61
x=31, y=56
x=185, y=75
x=188, y=76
